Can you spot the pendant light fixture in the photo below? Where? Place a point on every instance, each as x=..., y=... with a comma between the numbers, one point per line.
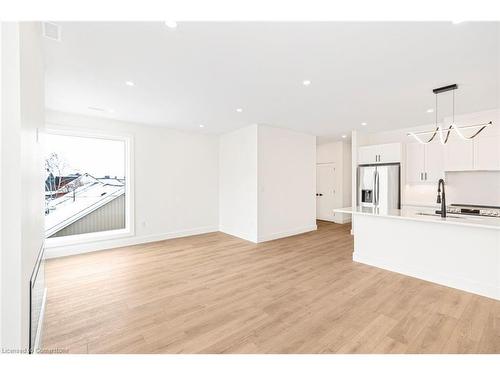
x=444, y=134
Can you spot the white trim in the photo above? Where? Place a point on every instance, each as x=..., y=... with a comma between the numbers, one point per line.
x=241, y=235
x=88, y=239
x=81, y=248
x=344, y=219
x=288, y=233
x=39, y=330
x=471, y=286
x=338, y=220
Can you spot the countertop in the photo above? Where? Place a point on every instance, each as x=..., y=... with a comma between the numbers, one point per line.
x=414, y=213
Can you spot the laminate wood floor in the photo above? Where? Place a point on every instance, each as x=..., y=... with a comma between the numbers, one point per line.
x=215, y=293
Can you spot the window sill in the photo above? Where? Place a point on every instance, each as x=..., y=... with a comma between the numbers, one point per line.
x=87, y=238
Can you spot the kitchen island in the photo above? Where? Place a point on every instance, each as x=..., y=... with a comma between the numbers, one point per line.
x=458, y=251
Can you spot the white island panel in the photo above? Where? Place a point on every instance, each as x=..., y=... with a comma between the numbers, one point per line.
x=455, y=254
x=462, y=258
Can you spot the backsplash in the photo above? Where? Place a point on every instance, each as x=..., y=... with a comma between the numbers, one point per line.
x=474, y=187
x=467, y=187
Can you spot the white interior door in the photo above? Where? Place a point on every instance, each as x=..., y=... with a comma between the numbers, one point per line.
x=325, y=191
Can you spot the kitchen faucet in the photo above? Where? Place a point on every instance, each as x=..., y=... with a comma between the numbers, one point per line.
x=441, y=197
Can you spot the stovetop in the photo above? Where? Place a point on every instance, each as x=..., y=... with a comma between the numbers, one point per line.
x=476, y=210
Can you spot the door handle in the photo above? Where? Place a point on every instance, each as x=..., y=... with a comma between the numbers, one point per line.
x=425, y=175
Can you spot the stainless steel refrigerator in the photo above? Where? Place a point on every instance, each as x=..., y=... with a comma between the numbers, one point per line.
x=379, y=186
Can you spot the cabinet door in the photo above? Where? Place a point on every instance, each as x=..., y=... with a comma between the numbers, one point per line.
x=414, y=162
x=487, y=153
x=386, y=153
x=434, y=162
x=368, y=154
x=458, y=155
x=389, y=153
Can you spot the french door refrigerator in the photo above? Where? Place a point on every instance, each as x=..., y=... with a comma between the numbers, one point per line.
x=379, y=186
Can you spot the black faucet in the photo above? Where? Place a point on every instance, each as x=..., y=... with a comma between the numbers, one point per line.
x=441, y=197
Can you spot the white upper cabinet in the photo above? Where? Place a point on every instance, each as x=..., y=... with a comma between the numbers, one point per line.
x=424, y=163
x=458, y=155
x=376, y=154
x=487, y=153
x=434, y=162
x=367, y=155
x=415, y=162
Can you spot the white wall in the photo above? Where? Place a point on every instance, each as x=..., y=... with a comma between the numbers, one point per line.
x=340, y=154
x=267, y=183
x=287, y=182
x=21, y=174
x=346, y=174
x=468, y=187
x=238, y=183
x=176, y=180
x=1, y=176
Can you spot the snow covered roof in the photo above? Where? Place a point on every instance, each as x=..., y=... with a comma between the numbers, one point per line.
x=90, y=194
x=112, y=181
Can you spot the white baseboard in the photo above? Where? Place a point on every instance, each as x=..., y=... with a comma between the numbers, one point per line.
x=344, y=220
x=66, y=250
x=470, y=286
x=39, y=330
x=338, y=219
x=288, y=233
x=241, y=235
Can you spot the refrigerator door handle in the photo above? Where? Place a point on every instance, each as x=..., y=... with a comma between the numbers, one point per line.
x=378, y=189
x=375, y=188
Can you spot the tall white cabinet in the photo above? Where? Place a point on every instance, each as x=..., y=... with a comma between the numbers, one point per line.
x=458, y=155
x=424, y=163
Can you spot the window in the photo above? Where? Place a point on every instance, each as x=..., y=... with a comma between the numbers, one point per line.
x=87, y=187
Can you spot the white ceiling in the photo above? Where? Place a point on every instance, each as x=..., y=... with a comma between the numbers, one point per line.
x=199, y=73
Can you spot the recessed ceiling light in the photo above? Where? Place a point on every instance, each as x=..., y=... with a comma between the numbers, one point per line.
x=239, y=110
x=306, y=82
x=364, y=123
x=111, y=110
x=171, y=24
x=202, y=126
x=130, y=83
x=430, y=110
x=344, y=136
